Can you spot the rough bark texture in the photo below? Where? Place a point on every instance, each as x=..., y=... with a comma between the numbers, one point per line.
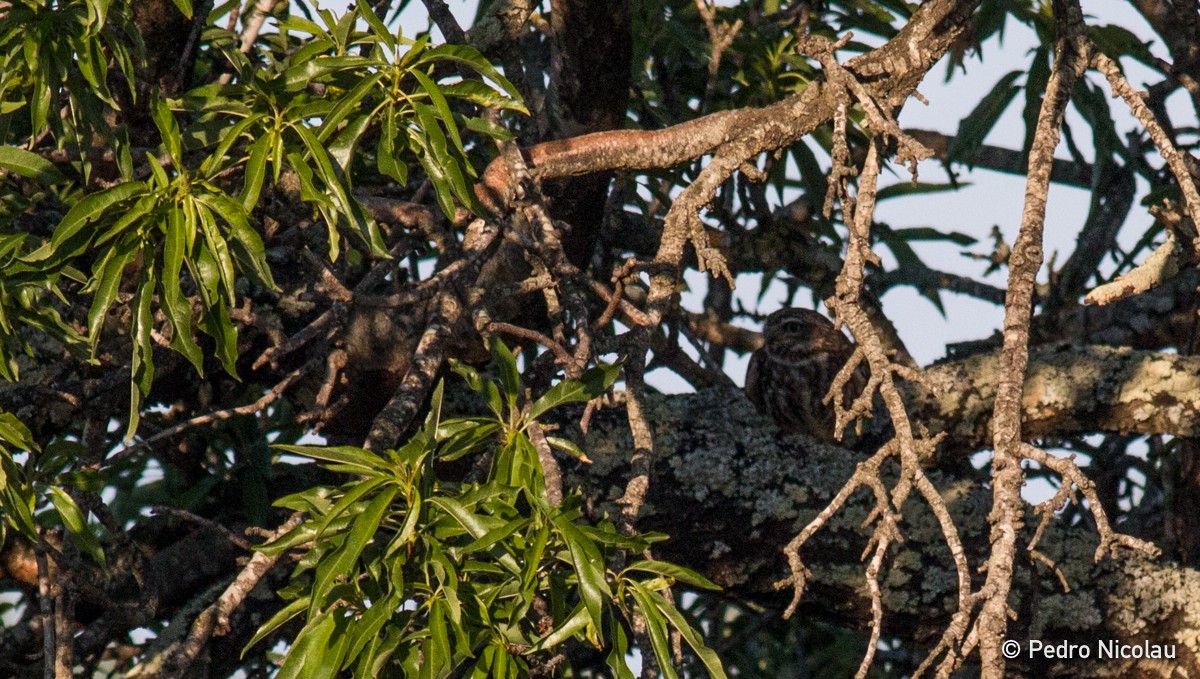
x=1068, y=390
x=731, y=491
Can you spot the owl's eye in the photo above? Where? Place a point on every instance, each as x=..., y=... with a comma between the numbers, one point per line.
x=793, y=326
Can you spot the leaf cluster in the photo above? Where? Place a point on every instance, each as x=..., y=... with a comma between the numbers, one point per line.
x=403, y=570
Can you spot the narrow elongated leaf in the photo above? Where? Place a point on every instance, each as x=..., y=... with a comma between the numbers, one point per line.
x=167, y=126
x=215, y=162
x=367, y=627
x=76, y=524
x=386, y=153
x=592, y=384
x=246, y=240
x=362, y=531
x=63, y=243
x=256, y=172
x=655, y=627
x=281, y=616
x=576, y=622
x=589, y=568
x=980, y=121
x=142, y=362
x=339, y=192
x=706, y=655
x=109, y=279
x=217, y=248
x=369, y=462
x=30, y=165
x=472, y=524
x=441, y=106
x=377, y=27
x=308, y=652
x=177, y=307
x=14, y=432
x=471, y=58
x=674, y=571
x=506, y=366
x=347, y=105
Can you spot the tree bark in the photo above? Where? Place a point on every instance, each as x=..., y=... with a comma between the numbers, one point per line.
x=732, y=490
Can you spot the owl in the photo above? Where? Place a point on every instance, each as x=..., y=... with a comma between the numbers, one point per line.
x=791, y=373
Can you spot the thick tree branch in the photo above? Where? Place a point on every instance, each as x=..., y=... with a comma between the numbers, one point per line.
x=1068, y=391
x=731, y=491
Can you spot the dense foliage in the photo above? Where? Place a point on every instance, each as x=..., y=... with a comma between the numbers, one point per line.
x=256, y=261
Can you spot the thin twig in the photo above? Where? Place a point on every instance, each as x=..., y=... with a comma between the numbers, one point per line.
x=249, y=409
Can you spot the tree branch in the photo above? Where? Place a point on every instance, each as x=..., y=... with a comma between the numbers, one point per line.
x=731, y=490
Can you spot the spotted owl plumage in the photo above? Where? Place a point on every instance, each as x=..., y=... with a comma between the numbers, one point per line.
x=792, y=372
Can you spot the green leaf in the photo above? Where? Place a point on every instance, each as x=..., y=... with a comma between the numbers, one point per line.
x=474, y=439
x=979, y=122
x=256, y=172
x=367, y=627
x=141, y=208
x=577, y=622
x=229, y=136
x=386, y=153
x=344, y=144
x=307, y=655
x=247, y=240
x=365, y=227
x=489, y=128
x=142, y=363
x=18, y=505
x=568, y=447
x=706, y=655
x=14, y=432
x=472, y=524
x=76, y=524
x=480, y=94
x=471, y=58
x=655, y=627
x=302, y=73
x=216, y=246
x=437, y=162
x=616, y=657
x=673, y=571
x=369, y=462
x=441, y=106
x=506, y=366
x=177, y=307
x=592, y=384
x=352, y=497
x=108, y=277
x=347, y=104
x=362, y=531
x=377, y=27
x=478, y=384
x=164, y=120
x=589, y=567
x=63, y=243
x=30, y=165
x=217, y=324
x=275, y=621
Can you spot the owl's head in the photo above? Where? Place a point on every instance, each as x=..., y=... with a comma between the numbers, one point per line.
x=791, y=322
x=791, y=334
